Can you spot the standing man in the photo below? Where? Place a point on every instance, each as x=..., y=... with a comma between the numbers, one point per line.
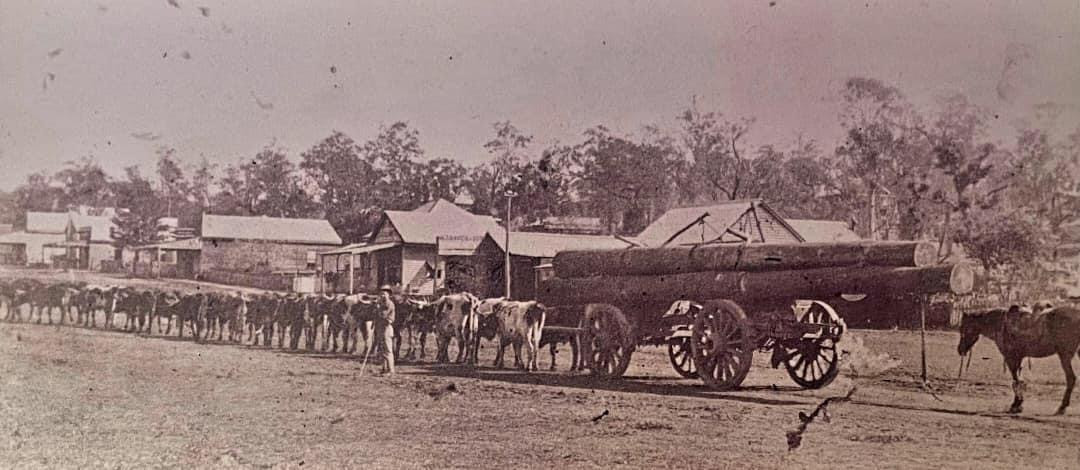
x=384, y=328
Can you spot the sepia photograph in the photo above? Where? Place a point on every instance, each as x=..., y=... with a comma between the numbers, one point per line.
x=755, y=234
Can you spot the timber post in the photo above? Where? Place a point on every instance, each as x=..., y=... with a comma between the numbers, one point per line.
x=923, y=300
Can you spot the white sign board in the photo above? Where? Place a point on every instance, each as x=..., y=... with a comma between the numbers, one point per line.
x=458, y=245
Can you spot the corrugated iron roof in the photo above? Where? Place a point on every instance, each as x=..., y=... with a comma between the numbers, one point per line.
x=56, y=222
x=316, y=231
x=823, y=230
x=546, y=245
x=714, y=221
x=442, y=218
x=47, y=222
x=436, y=205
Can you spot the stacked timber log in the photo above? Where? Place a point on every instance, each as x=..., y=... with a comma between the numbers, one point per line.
x=751, y=273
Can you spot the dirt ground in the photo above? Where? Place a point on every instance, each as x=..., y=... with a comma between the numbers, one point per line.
x=74, y=397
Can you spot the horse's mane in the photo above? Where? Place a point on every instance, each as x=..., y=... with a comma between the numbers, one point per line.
x=991, y=315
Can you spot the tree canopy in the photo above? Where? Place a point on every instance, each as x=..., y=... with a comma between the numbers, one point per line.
x=899, y=172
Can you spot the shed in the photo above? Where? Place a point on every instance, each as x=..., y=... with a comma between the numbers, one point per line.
x=746, y=220
x=177, y=258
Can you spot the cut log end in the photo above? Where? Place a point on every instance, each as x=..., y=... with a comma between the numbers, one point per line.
x=962, y=279
x=925, y=254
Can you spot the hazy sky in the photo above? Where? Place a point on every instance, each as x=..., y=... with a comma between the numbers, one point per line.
x=118, y=79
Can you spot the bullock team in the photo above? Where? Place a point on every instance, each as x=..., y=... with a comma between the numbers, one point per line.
x=256, y=319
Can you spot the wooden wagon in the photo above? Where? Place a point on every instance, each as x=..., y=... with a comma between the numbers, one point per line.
x=714, y=306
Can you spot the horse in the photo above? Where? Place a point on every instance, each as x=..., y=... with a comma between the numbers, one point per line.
x=1021, y=332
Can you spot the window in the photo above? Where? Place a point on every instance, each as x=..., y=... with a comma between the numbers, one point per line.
x=168, y=257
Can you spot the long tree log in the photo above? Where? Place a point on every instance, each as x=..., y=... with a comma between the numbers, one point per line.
x=741, y=257
x=821, y=283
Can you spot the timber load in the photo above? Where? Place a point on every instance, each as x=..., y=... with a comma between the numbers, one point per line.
x=745, y=286
x=750, y=273
x=742, y=257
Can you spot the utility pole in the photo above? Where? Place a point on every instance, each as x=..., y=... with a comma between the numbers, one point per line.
x=506, y=268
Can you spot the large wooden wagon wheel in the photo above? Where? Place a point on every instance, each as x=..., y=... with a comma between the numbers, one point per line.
x=681, y=355
x=607, y=340
x=813, y=360
x=722, y=343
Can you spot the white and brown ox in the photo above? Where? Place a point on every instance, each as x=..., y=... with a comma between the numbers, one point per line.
x=519, y=323
x=456, y=318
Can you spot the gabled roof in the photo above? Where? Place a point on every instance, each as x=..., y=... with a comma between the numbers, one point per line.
x=47, y=222
x=439, y=218
x=673, y=227
x=823, y=230
x=437, y=205
x=100, y=226
x=546, y=245
x=56, y=222
x=314, y=231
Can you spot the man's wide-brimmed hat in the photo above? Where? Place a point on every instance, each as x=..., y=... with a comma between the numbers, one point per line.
x=386, y=289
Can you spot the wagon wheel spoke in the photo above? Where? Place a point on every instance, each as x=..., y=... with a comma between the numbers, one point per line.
x=718, y=345
x=605, y=334
x=812, y=360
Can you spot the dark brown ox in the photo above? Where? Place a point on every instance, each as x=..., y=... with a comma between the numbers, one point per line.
x=262, y=311
x=414, y=319
x=136, y=305
x=558, y=330
x=15, y=294
x=519, y=323
x=291, y=316
x=47, y=297
x=90, y=299
x=1021, y=332
x=363, y=310
x=340, y=324
x=225, y=310
x=188, y=309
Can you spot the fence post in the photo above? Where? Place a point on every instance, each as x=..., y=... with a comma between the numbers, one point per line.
x=922, y=333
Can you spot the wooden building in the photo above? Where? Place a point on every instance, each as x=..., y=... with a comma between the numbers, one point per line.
x=174, y=259
x=263, y=252
x=402, y=251
x=71, y=240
